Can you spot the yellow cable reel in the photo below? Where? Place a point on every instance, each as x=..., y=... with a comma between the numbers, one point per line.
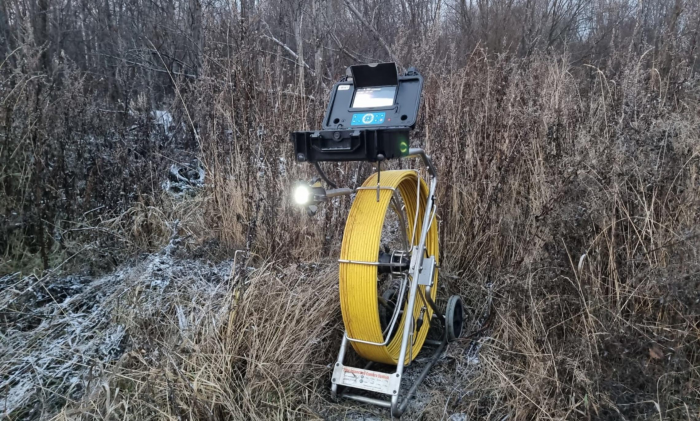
x=359, y=297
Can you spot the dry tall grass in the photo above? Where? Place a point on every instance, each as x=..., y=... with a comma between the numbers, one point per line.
x=211, y=347
x=569, y=197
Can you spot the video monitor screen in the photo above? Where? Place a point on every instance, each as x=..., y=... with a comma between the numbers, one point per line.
x=382, y=96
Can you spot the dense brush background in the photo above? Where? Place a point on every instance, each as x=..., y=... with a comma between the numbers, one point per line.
x=566, y=133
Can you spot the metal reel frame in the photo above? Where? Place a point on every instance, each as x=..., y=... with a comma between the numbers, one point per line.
x=390, y=383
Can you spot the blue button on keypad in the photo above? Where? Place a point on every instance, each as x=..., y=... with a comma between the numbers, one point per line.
x=367, y=119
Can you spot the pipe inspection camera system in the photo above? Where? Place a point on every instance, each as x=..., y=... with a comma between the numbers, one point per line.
x=389, y=257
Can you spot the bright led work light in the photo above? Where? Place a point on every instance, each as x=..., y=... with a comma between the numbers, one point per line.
x=302, y=194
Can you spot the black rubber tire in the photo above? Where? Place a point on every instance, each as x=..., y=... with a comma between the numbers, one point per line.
x=454, y=317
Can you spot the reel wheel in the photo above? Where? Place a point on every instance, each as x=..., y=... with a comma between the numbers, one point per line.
x=454, y=317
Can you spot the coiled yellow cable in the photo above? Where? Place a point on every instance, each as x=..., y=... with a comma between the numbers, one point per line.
x=358, y=283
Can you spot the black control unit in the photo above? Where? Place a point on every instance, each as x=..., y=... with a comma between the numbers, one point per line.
x=369, y=117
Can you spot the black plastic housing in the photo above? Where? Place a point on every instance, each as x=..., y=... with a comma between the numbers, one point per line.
x=380, y=74
x=350, y=145
x=403, y=113
x=361, y=132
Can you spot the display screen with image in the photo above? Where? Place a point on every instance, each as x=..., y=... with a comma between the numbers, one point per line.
x=382, y=96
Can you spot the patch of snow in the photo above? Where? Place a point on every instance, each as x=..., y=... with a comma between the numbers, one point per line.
x=17, y=396
x=163, y=118
x=181, y=319
x=113, y=341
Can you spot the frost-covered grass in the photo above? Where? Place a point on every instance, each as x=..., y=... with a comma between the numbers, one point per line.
x=61, y=336
x=171, y=337
x=56, y=333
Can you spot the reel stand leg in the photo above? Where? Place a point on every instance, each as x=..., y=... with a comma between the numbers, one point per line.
x=398, y=408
